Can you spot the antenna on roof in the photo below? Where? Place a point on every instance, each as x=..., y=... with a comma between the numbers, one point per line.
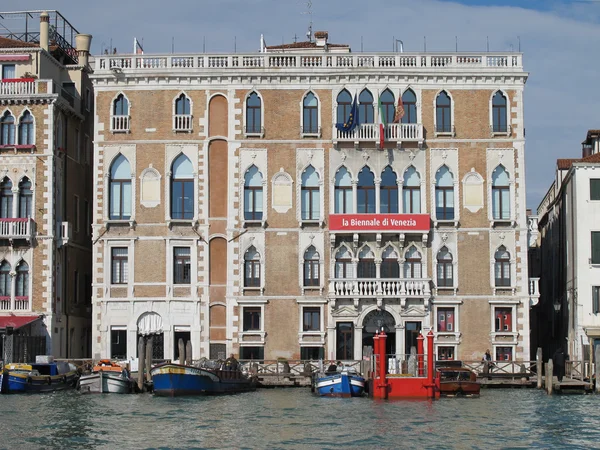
x=310, y=23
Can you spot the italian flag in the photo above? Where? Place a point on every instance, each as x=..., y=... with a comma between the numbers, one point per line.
x=382, y=123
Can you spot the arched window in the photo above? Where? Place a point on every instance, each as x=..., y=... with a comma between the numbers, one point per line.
x=365, y=107
x=442, y=113
x=502, y=267
x=25, y=198
x=366, y=191
x=120, y=189
x=310, y=195
x=182, y=188
x=366, y=263
x=499, y=113
x=344, y=105
x=22, y=288
x=343, y=192
x=253, y=114
x=6, y=198
x=7, y=129
x=388, y=192
x=388, y=106
x=121, y=106
x=389, y=264
x=26, y=134
x=409, y=100
x=182, y=105
x=310, y=113
x=500, y=194
x=343, y=263
x=445, y=277
x=311, y=267
x=5, y=280
x=253, y=194
x=251, y=268
x=411, y=192
x=444, y=194
x=412, y=263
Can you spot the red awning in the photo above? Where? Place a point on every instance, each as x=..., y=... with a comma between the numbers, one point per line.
x=17, y=321
x=14, y=57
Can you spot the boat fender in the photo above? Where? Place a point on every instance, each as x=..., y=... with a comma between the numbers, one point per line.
x=29, y=380
x=49, y=380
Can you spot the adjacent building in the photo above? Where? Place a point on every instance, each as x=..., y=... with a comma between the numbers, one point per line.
x=46, y=106
x=231, y=211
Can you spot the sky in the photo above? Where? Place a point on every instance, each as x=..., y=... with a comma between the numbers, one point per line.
x=559, y=39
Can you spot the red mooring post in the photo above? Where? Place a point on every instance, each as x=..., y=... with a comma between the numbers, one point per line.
x=376, y=374
x=420, y=352
x=382, y=364
x=430, y=365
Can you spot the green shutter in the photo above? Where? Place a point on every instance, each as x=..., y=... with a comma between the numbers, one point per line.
x=595, y=189
x=595, y=247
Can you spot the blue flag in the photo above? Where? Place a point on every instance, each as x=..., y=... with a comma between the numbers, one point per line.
x=352, y=121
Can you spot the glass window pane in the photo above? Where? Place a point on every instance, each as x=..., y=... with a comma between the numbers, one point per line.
x=316, y=204
x=595, y=247
x=126, y=200
x=595, y=189
x=258, y=196
x=115, y=200
x=188, y=199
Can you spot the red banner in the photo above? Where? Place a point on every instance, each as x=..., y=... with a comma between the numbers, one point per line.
x=379, y=222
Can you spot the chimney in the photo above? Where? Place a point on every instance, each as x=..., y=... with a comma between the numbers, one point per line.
x=321, y=38
x=82, y=43
x=44, y=30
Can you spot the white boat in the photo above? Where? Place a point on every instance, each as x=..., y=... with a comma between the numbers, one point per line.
x=106, y=377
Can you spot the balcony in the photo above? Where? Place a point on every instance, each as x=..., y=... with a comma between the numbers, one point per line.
x=182, y=122
x=534, y=291
x=18, y=86
x=20, y=304
x=369, y=132
x=13, y=229
x=119, y=124
x=380, y=288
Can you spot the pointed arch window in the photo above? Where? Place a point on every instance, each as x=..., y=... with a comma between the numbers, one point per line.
x=5, y=279
x=25, y=198
x=389, y=264
x=502, y=267
x=445, y=275
x=251, y=268
x=412, y=263
x=7, y=129
x=253, y=194
x=310, y=195
x=500, y=194
x=26, y=133
x=344, y=105
x=120, y=189
x=366, y=191
x=182, y=188
x=444, y=194
x=409, y=100
x=6, y=198
x=366, y=263
x=411, y=192
x=253, y=114
x=22, y=286
x=183, y=114
x=310, y=114
x=311, y=267
x=499, y=124
x=443, y=113
x=365, y=107
x=388, y=192
x=388, y=106
x=343, y=192
x=120, y=114
x=343, y=264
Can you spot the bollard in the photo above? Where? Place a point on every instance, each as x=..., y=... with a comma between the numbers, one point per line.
x=181, y=348
x=149, y=346
x=539, y=365
x=597, y=367
x=188, y=353
x=141, y=359
x=550, y=376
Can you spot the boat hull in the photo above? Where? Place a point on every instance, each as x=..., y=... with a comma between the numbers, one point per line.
x=172, y=380
x=467, y=388
x=105, y=382
x=340, y=385
x=21, y=383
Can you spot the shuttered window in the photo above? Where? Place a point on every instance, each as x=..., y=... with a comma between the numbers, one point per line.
x=595, y=189
x=595, y=247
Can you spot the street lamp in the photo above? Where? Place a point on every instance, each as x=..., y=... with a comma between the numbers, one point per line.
x=557, y=306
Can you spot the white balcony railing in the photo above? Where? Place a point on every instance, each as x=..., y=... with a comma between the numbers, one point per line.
x=534, y=287
x=182, y=122
x=393, y=132
x=24, y=86
x=119, y=124
x=372, y=287
x=16, y=304
x=16, y=229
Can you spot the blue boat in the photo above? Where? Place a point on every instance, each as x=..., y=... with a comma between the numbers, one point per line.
x=38, y=377
x=346, y=383
x=172, y=380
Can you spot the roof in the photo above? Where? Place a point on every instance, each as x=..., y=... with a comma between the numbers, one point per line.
x=305, y=44
x=14, y=43
x=565, y=164
x=17, y=321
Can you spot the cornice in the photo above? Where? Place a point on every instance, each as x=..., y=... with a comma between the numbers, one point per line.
x=30, y=99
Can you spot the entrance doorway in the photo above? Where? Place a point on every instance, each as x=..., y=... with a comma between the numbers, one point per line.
x=411, y=333
x=378, y=320
x=345, y=341
x=185, y=336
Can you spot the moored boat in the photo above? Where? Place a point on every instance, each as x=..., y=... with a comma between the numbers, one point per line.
x=458, y=381
x=106, y=377
x=45, y=375
x=345, y=383
x=171, y=380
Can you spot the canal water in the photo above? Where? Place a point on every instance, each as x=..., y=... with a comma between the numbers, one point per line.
x=295, y=418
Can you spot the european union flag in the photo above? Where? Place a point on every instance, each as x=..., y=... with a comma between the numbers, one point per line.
x=352, y=121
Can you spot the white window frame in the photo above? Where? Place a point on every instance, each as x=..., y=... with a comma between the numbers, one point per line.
x=512, y=304
x=170, y=158
x=252, y=302
x=305, y=302
x=451, y=133
x=319, y=117
x=112, y=116
x=261, y=252
x=110, y=158
x=109, y=244
x=508, y=131
x=184, y=117
x=265, y=184
x=457, y=206
x=260, y=134
x=18, y=127
x=192, y=244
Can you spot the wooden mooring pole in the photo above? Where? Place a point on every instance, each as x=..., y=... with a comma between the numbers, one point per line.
x=149, y=347
x=540, y=365
x=597, y=367
x=549, y=376
x=188, y=353
x=141, y=359
x=181, y=348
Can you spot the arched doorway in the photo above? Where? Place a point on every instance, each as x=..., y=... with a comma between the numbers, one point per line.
x=377, y=320
x=150, y=327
